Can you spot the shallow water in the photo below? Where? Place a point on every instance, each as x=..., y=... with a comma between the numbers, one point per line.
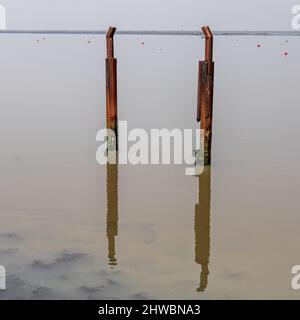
x=231, y=233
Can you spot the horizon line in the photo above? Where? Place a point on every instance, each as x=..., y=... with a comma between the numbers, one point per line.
x=158, y=32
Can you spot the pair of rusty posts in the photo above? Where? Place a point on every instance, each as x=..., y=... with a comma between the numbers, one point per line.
x=205, y=91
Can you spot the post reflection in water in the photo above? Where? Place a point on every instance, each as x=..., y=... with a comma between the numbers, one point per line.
x=202, y=227
x=112, y=211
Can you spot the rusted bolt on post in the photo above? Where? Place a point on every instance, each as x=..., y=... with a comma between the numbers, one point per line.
x=205, y=95
x=111, y=91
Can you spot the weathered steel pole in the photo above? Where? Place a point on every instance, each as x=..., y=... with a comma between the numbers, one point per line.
x=112, y=211
x=111, y=89
x=202, y=227
x=205, y=95
x=112, y=146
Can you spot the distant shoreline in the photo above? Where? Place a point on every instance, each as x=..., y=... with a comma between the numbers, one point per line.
x=156, y=32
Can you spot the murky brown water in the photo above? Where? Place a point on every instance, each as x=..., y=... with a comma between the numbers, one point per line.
x=71, y=228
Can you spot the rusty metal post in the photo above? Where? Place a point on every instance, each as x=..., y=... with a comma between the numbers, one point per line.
x=112, y=211
x=202, y=226
x=205, y=95
x=111, y=89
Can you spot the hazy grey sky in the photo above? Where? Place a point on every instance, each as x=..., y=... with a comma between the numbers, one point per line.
x=150, y=14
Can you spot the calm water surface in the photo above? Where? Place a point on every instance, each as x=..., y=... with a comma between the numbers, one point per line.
x=73, y=229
